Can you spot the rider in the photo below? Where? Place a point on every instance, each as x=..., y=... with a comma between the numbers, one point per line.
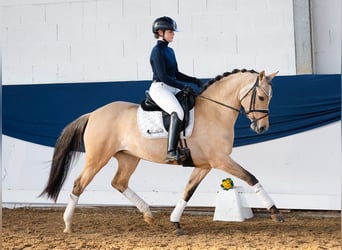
x=167, y=81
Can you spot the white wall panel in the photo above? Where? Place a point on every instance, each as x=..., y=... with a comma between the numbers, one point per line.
x=103, y=11
x=106, y=35
x=71, y=72
x=67, y=12
x=11, y=15
x=326, y=30
x=135, y=50
x=266, y=61
x=221, y=7
x=33, y=14
x=192, y=7
x=134, y=8
x=251, y=6
x=44, y=72
x=210, y=63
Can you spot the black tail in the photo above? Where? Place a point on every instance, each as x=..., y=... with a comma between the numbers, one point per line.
x=68, y=145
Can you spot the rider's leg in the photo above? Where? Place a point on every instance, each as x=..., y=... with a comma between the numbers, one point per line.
x=164, y=96
x=173, y=138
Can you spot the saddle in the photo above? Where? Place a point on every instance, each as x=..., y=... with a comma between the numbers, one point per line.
x=186, y=97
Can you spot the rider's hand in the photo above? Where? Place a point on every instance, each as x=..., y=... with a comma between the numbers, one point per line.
x=187, y=90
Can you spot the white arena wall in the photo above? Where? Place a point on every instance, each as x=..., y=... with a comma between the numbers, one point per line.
x=302, y=171
x=51, y=41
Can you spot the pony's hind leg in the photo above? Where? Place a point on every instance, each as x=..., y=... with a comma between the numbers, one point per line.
x=126, y=167
x=195, y=179
x=90, y=169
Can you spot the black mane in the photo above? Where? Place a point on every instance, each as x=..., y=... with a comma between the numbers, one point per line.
x=225, y=74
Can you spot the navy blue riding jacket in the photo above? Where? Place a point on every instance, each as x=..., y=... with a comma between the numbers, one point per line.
x=164, y=67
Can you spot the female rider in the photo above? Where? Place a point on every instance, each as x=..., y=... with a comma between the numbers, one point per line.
x=167, y=81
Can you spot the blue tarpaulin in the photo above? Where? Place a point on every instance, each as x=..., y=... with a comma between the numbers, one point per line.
x=38, y=113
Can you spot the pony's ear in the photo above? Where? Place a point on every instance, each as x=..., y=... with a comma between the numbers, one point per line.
x=271, y=76
x=261, y=75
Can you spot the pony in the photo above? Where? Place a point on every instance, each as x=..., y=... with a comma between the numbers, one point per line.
x=112, y=131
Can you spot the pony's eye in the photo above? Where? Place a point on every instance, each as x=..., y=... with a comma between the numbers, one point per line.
x=261, y=98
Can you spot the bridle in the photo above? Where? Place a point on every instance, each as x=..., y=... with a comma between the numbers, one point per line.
x=252, y=108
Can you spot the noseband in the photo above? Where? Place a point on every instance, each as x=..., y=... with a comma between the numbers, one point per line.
x=252, y=108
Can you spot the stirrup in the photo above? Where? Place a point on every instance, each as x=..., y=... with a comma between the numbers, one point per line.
x=174, y=156
x=171, y=157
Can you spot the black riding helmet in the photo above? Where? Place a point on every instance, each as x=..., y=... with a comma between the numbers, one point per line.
x=163, y=23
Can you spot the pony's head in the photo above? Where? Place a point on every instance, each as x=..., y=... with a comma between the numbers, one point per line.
x=256, y=100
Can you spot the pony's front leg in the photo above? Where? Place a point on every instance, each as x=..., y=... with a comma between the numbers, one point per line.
x=196, y=177
x=235, y=169
x=142, y=206
x=268, y=202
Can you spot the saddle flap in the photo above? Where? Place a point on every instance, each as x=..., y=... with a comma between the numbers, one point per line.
x=152, y=124
x=185, y=97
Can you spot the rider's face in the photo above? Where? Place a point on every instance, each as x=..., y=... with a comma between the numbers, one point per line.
x=168, y=35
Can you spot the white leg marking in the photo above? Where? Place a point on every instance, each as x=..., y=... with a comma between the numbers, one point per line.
x=264, y=197
x=137, y=201
x=178, y=211
x=69, y=212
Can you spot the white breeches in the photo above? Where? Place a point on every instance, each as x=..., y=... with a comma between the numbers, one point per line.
x=164, y=96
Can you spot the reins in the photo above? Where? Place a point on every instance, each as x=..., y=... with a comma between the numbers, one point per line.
x=220, y=103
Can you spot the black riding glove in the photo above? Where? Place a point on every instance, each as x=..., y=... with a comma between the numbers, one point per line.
x=187, y=90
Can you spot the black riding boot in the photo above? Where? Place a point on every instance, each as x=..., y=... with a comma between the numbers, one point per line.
x=173, y=137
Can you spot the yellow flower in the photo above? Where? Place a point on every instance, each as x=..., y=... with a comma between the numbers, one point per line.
x=227, y=184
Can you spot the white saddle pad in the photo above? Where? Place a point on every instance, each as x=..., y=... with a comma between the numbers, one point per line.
x=151, y=124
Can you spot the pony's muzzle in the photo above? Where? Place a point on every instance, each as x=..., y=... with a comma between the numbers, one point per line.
x=258, y=129
x=260, y=124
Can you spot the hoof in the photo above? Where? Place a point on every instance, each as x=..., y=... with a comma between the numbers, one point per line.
x=67, y=230
x=148, y=218
x=179, y=232
x=278, y=217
